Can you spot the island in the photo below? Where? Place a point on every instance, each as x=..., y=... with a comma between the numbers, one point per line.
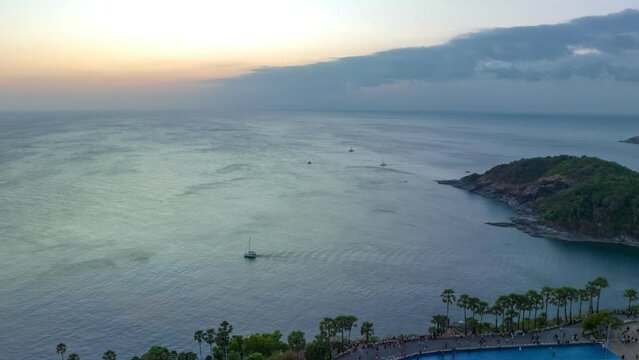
x=632, y=140
x=564, y=197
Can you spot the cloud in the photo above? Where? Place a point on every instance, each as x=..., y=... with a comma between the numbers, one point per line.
x=596, y=49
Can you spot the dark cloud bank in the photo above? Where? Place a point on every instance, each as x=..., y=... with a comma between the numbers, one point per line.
x=585, y=65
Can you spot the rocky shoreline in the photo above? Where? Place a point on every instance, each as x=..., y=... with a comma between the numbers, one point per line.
x=525, y=218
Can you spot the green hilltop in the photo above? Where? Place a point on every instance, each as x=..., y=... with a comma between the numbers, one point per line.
x=581, y=194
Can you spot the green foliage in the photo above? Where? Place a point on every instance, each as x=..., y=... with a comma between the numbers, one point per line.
x=525, y=170
x=596, y=322
x=264, y=343
x=61, y=348
x=255, y=356
x=367, y=330
x=287, y=355
x=157, y=353
x=296, y=341
x=592, y=196
x=318, y=349
x=109, y=355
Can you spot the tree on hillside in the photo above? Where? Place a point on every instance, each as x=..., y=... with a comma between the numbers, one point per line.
x=73, y=356
x=448, y=297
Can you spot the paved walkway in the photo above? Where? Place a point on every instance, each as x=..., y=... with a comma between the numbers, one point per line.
x=623, y=342
x=399, y=348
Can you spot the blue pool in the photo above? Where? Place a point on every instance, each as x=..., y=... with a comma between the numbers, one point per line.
x=571, y=352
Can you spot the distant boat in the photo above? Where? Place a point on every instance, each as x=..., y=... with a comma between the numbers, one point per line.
x=309, y=162
x=351, y=150
x=250, y=254
x=383, y=163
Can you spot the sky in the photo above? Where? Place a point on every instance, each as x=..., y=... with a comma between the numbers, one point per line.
x=355, y=55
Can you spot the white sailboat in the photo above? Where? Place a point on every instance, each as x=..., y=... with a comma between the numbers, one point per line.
x=250, y=254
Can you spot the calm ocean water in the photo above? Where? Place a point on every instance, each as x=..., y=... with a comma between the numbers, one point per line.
x=121, y=230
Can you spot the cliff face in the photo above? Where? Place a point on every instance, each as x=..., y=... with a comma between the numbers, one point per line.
x=565, y=197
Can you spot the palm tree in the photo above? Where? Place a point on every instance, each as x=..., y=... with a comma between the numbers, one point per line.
x=496, y=310
x=474, y=303
x=515, y=303
x=534, y=300
x=340, y=324
x=564, y=295
x=601, y=283
x=209, y=338
x=573, y=295
x=367, y=329
x=328, y=329
x=350, y=321
x=584, y=295
x=464, y=302
x=546, y=293
x=199, y=336
x=591, y=288
x=440, y=322
x=482, y=308
x=297, y=342
x=555, y=299
x=448, y=297
x=61, y=349
x=223, y=337
x=73, y=356
x=108, y=355
x=631, y=294
x=503, y=302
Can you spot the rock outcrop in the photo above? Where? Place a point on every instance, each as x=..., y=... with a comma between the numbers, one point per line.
x=564, y=197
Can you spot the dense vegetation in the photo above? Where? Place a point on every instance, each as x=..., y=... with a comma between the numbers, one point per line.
x=511, y=312
x=582, y=194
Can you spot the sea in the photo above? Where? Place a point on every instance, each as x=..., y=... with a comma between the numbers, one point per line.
x=121, y=230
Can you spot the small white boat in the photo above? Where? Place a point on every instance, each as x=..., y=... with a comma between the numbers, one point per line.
x=250, y=254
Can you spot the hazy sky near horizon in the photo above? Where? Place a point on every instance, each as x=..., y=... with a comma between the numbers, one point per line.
x=69, y=54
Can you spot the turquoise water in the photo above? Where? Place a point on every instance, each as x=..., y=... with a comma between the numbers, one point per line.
x=120, y=230
x=572, y=352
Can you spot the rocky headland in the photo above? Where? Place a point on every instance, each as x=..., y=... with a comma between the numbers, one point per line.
x=564, y=197
x=632, y=140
